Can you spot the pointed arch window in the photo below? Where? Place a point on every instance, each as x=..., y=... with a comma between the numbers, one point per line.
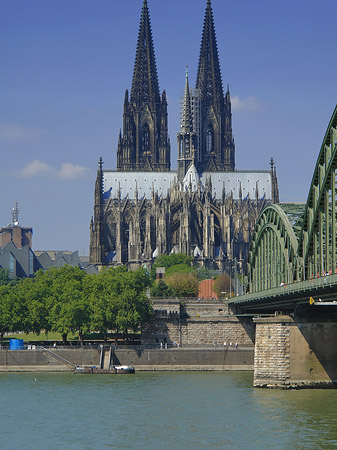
x=187, y=146
x=209, y=138
x=146, y=139
x=181, y=148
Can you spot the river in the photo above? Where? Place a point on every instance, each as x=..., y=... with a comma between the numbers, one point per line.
x=161, y=411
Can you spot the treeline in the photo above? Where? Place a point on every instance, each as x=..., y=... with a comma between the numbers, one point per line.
x=182, y=276
x=67, y=299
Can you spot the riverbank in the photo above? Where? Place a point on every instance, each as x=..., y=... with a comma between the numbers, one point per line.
x=190, y=359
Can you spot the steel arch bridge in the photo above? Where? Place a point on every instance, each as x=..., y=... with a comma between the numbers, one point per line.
x=293, y=243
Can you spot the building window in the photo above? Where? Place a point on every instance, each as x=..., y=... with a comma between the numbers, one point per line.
x=181, y=149
x=146, y=139
x=11, y=263
x=209, y=139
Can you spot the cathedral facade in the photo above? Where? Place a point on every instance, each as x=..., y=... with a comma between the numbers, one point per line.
x=205, y=208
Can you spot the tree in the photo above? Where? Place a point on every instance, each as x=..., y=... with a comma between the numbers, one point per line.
x=222, y=285
x=67, y=301
x=203, y=273
x=4, y=276
x=133, y=306
x=183, y=285
x=161, y=290
x=173, y=263
x=6, y=316
x=102, y=299
x=173, y=259
x=133, y=310
x=118, y=299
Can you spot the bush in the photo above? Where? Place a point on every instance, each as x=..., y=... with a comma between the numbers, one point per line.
x=222, y=284
x=161, y=290
x=184, y=285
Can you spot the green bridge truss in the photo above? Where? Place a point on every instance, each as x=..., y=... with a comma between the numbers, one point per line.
x=294, y=242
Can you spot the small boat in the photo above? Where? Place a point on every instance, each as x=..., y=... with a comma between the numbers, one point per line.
x=98, y=370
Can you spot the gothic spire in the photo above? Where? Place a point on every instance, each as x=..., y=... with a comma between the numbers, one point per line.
x=99, y=183
x=209, y=76
x=145, y=86
x=186, y=120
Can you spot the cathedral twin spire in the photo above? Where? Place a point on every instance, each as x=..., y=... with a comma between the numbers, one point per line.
x=145, y=86
x=144, y=144
x=209, y=75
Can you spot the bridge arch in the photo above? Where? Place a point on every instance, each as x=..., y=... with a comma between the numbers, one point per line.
x=298, y=242
x=317, y=243
x=272, y=257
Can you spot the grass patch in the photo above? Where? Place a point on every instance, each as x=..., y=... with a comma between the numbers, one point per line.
x=41, y=337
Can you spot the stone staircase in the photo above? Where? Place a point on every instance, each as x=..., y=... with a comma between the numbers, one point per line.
x=106, y=359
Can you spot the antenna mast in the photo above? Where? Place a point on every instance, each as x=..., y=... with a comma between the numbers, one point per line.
x=15, y=215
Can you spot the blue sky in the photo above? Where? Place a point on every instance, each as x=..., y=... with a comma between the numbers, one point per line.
x=65, y=66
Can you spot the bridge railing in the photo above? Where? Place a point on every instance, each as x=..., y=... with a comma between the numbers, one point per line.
x=300, y=286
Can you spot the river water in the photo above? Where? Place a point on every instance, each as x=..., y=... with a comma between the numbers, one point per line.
x=161, y=411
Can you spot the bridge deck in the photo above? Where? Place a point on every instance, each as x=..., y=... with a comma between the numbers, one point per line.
x=289, y=296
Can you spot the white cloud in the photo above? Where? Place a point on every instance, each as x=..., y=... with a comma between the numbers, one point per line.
x=14, y=132
x=67, y=171
x=246, y=104
x=71, y=171
x=36, y=168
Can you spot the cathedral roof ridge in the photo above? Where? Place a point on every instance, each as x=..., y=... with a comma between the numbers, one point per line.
x=133, y=172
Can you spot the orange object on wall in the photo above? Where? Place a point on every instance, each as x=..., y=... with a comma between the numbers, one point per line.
x=206, y=290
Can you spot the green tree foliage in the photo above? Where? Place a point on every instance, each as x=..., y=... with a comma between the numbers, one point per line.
x=183, y=285
x=6, y=316
x=222, y=284
x=172, y=260
x=68, y=300
x=203, y=273
x=4, y=276
x=173, y=263
x=161, y=290
x=118, y=299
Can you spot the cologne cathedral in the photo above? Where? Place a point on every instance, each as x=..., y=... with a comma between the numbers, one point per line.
x=205, y=208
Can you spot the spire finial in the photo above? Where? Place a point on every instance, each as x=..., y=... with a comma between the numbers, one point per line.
x=186, y=71
x=100, y=163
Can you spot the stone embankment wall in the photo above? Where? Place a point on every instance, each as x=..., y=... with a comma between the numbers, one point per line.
x=186, y=359
x=35, y=360
x=193, y=322
x=295, y=354
x=142, y=359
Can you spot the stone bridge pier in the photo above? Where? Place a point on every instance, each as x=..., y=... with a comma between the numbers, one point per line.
x=295, y=352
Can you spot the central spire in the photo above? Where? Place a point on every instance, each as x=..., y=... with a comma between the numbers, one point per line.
x=186, y=122
x=145, y=86
x=209, y=75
